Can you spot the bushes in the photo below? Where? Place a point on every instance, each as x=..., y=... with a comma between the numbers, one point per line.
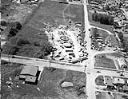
x=10, y=49
x=22, y=42
x=103, y=18
x=16, y=25
x=4, y=23
x=14, y=28
x=12, y=32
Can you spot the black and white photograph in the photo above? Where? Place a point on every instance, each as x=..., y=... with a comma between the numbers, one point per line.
x=64, y=49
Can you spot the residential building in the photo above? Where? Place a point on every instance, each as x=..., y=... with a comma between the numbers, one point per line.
x=29, y=74
x=118, y=81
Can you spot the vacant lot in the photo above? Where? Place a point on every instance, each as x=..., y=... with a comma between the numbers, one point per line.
x=101, y=33
x=31, y=40
x=47, y=88
x=104, y=62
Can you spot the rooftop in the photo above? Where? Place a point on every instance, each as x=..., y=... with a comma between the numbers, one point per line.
x=29, y=70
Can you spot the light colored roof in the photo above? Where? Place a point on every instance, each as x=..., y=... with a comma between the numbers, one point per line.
x=29, y=70
x=121, y=61
x=108, y=81
x=118, y=81
x=30, y=79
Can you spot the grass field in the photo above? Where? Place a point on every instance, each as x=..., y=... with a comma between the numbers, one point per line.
x=104, y=62
x=33, y=31
x=49, y=85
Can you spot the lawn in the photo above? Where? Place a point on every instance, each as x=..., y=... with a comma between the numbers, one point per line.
x=104, y=62
x=49, y=86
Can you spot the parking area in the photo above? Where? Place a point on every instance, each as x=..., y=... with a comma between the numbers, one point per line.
x=102, y=40
x=67, y=42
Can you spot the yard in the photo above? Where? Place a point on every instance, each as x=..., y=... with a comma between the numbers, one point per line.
x=47, y=88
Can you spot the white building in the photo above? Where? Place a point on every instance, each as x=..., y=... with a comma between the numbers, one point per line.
x=121, y=62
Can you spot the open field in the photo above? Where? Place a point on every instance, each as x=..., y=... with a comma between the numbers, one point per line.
x=104, y=62
x=48, y=13
x=47, y=88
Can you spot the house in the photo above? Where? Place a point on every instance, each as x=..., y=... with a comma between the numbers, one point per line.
x=122, y=62
x=29, y=74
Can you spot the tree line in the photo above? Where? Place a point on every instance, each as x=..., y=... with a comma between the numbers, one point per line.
x=103, y=18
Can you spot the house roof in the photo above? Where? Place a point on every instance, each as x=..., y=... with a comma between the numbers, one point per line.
x=118, y=81
x=30, y=79
x=29, y=70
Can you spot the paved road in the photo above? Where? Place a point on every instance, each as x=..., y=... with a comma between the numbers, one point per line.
x=90, y=70
x=42, y=63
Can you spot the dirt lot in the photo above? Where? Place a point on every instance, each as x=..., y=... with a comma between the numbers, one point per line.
x=104, y=62
x=49, y=85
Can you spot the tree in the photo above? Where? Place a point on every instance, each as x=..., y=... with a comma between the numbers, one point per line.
x=10, y=49
x=12, y=32
x=22, y=42
x=103, y=18
x=3, y=23
x=16, y=25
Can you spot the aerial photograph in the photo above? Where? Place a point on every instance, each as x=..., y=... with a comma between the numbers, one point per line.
x=64, y=49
